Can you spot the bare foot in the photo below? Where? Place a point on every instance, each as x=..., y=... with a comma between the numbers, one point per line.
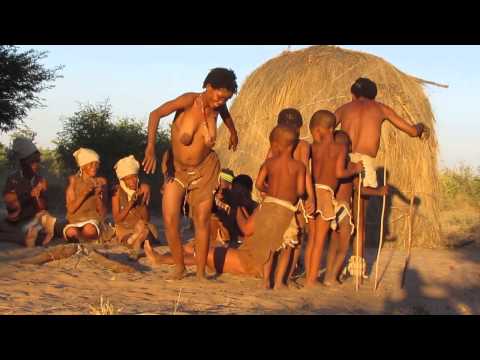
x=178, y=274
x=328, y=282
x=154, y=258
x=137, y=245
x=280, y=286
x=312, y=284
x=48, y=223
x=31, y=237
x=201, y=276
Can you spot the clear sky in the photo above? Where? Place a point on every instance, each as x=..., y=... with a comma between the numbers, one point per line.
x=136, y=79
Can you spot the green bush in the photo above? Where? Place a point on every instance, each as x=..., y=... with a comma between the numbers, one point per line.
x=93, y=127
x=461, y=183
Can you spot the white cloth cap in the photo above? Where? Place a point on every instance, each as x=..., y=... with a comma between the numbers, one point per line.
x=85, y=156
x=23, y=147
x=127, y=166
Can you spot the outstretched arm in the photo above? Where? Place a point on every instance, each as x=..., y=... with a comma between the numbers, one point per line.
x=228, y=121
x=180, y=103
x=400, y=123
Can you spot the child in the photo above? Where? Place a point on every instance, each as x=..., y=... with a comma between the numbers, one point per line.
x=286, y=184
x=86, y=198
x=24, y=196
x=362, y=120
x=340, y=239
x=194, y=164
x=129, y=206
x=328, y=165
x=292, y=117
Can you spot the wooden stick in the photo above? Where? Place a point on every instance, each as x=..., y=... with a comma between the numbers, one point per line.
x=357, y=275
x=430, y=82
x=381, y=225
x=55, y=253
x=410, y=230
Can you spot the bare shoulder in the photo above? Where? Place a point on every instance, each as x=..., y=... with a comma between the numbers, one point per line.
x=190, y=96
x=340, y=109
x=72, y=179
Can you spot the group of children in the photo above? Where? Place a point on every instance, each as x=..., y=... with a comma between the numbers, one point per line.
x=306, y=190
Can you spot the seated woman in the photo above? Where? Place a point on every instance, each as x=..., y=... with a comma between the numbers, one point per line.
x=86, y=201
x=129, y=206
x=220, y=221
x=24, y=196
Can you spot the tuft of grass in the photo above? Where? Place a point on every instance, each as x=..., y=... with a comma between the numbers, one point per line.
x=105, y=308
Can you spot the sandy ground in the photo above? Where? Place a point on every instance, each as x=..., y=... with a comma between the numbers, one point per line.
x=437, y=282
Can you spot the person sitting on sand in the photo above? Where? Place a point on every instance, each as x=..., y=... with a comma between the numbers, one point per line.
x=194, y=164
x=286, y=184
x=220, y=220
x=362, y=120
x=129, y=206
x=24, y=195
x=86, y=198
x=242, y=221
x=328, y=165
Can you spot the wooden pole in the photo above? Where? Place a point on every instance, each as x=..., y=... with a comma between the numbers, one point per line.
x=381, y=225
x=357, y=275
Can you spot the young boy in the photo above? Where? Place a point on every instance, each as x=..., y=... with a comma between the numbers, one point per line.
x=340, y=239
x=286, y=184
x=24, y=196
x=195, y=165
x=362, y=120
x=129, y=206
x=86, y=198
x=328, y=165
x=302, y=152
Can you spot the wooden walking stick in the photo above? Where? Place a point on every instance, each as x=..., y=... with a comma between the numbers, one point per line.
x=410, y=229
x=381, y=225
x=357, y=274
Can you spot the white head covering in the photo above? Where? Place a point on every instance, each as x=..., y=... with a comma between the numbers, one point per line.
x=23, y=147
x=124, y=167
x=127, y=166
x=85, y=156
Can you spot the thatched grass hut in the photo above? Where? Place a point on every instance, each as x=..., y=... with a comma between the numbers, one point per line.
x=320, y=77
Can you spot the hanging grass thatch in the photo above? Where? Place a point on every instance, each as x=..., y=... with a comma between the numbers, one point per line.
x=320, y=77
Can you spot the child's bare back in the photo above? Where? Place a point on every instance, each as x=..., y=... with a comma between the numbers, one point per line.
x=284, y=175
x=325, y=157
